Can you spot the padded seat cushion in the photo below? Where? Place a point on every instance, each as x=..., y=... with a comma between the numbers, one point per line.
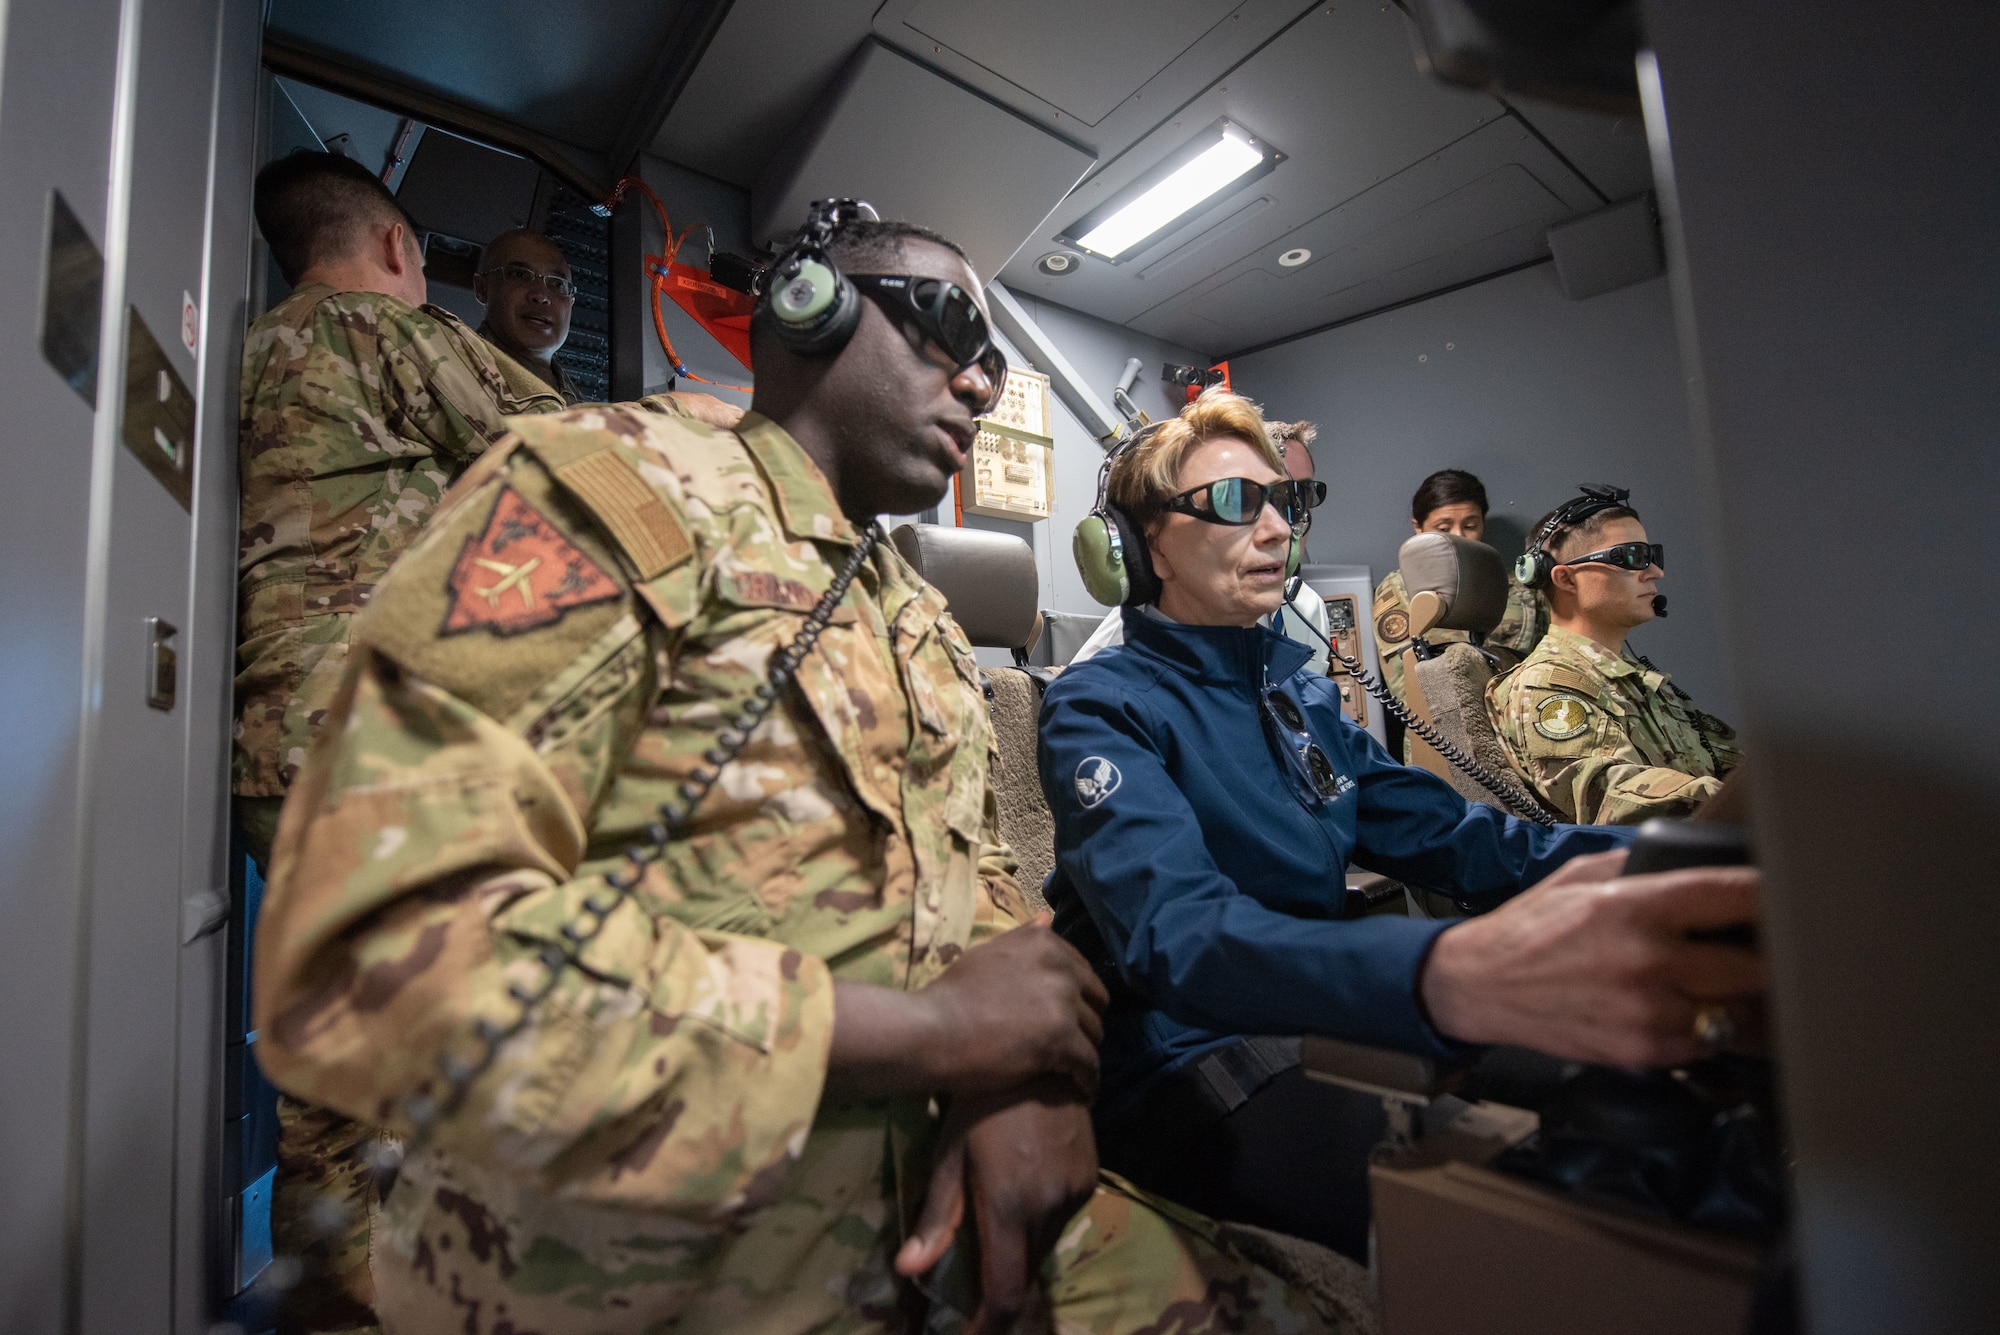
x=1469, y=577
x=1454, y=684
x=1015, y=702
x=987, y=579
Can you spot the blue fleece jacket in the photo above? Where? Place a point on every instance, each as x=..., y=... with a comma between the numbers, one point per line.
x=1202, y=872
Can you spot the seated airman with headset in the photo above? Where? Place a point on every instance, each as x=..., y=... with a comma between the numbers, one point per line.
x=1602, y=735
x=1208, y=796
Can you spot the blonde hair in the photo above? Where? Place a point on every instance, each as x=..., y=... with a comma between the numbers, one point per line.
x=1147, y=475
x=1305, y=433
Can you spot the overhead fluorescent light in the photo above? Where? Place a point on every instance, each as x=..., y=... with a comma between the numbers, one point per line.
x=1222, y=158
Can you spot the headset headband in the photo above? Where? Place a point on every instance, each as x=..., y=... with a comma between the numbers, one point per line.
x=1112, y=455
x=1596, y=497
x=823, y=219
x=1535, y=565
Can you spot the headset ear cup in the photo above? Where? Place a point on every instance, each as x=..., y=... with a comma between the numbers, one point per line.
x=1098, y=560
x=1142, y=585
x=1528, y=571
x=817, y=311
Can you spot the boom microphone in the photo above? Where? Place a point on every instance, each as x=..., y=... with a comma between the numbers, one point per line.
x=1659, y=604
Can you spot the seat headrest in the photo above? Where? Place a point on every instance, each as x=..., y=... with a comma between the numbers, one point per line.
x=987, y=579
x=1467, y=581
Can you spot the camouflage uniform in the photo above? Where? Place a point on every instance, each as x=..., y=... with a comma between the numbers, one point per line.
x=1520, y=628
x=1524, y=622
x=514, y=369
x=358, y=411
x=1604, y=739
x=549, y=662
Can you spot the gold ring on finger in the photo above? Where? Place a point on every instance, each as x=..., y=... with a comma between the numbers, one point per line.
x=1714, y=1027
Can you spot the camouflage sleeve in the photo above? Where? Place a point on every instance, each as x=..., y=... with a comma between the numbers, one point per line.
x=1002, y=906
x=1392, y=631
x=435, y=383
x=426, y=872
x=1571, y=746
x=1522, y=624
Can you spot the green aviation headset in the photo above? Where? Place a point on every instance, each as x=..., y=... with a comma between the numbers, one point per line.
x=1110, y=549
x=814, y=309
x=1538, y=563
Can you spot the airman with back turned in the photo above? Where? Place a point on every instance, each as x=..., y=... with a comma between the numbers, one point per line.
x=360, y=406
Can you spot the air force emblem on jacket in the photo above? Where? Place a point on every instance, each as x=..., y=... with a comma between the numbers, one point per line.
x=1096, y=779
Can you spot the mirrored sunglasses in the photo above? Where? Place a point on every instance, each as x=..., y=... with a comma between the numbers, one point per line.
x=1626, y=556
x=949, y=316
x=1238, y=500
x=1302, y=753
x=520, y=273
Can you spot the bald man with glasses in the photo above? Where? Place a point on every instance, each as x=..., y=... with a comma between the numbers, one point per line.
x=528, y=291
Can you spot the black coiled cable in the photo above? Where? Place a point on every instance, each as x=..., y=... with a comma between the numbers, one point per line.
x=1505, y=789
x=425, y=1112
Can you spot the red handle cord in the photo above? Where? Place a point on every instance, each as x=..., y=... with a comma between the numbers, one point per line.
x=656, y=274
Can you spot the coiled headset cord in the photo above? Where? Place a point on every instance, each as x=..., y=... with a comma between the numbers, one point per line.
x=1506, y=790
x=424, y=1111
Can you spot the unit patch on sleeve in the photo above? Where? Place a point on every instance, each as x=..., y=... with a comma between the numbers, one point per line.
x=520, y=572
x=1561, y=717
x=1391, y=627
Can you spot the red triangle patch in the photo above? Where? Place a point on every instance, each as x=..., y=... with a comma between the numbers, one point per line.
x=519, y=573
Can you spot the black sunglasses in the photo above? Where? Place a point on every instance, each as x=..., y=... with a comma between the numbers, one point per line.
x=516, y=272
x=1304, y=755
x=1238, y=500
x=1626, y=556
x=948, y=317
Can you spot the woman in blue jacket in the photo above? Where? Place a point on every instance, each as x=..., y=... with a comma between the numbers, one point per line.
x=1209, y=795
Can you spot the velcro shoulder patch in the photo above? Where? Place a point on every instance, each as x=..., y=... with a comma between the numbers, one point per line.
x=1560, y=716
x=648, y=530
x=583, y=449
x=520, y=571
x=502, y=592
x=1562, y=677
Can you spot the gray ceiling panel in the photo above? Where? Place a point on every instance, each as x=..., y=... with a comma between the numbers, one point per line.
x=1484, y=200
x=1108, y=33
x=764, y=70
x=921, y=148
x=1339, y=93
x=1372, y=145
x=1083, y=59
x=1609, y=150
x=567, y=70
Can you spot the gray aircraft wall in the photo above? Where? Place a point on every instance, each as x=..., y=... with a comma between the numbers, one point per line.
x=1534, y=393
x=1098, y=351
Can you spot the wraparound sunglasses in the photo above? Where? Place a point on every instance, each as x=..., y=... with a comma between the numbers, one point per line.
x=948, y=317
x=1238, y=500
x=1626, y=556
